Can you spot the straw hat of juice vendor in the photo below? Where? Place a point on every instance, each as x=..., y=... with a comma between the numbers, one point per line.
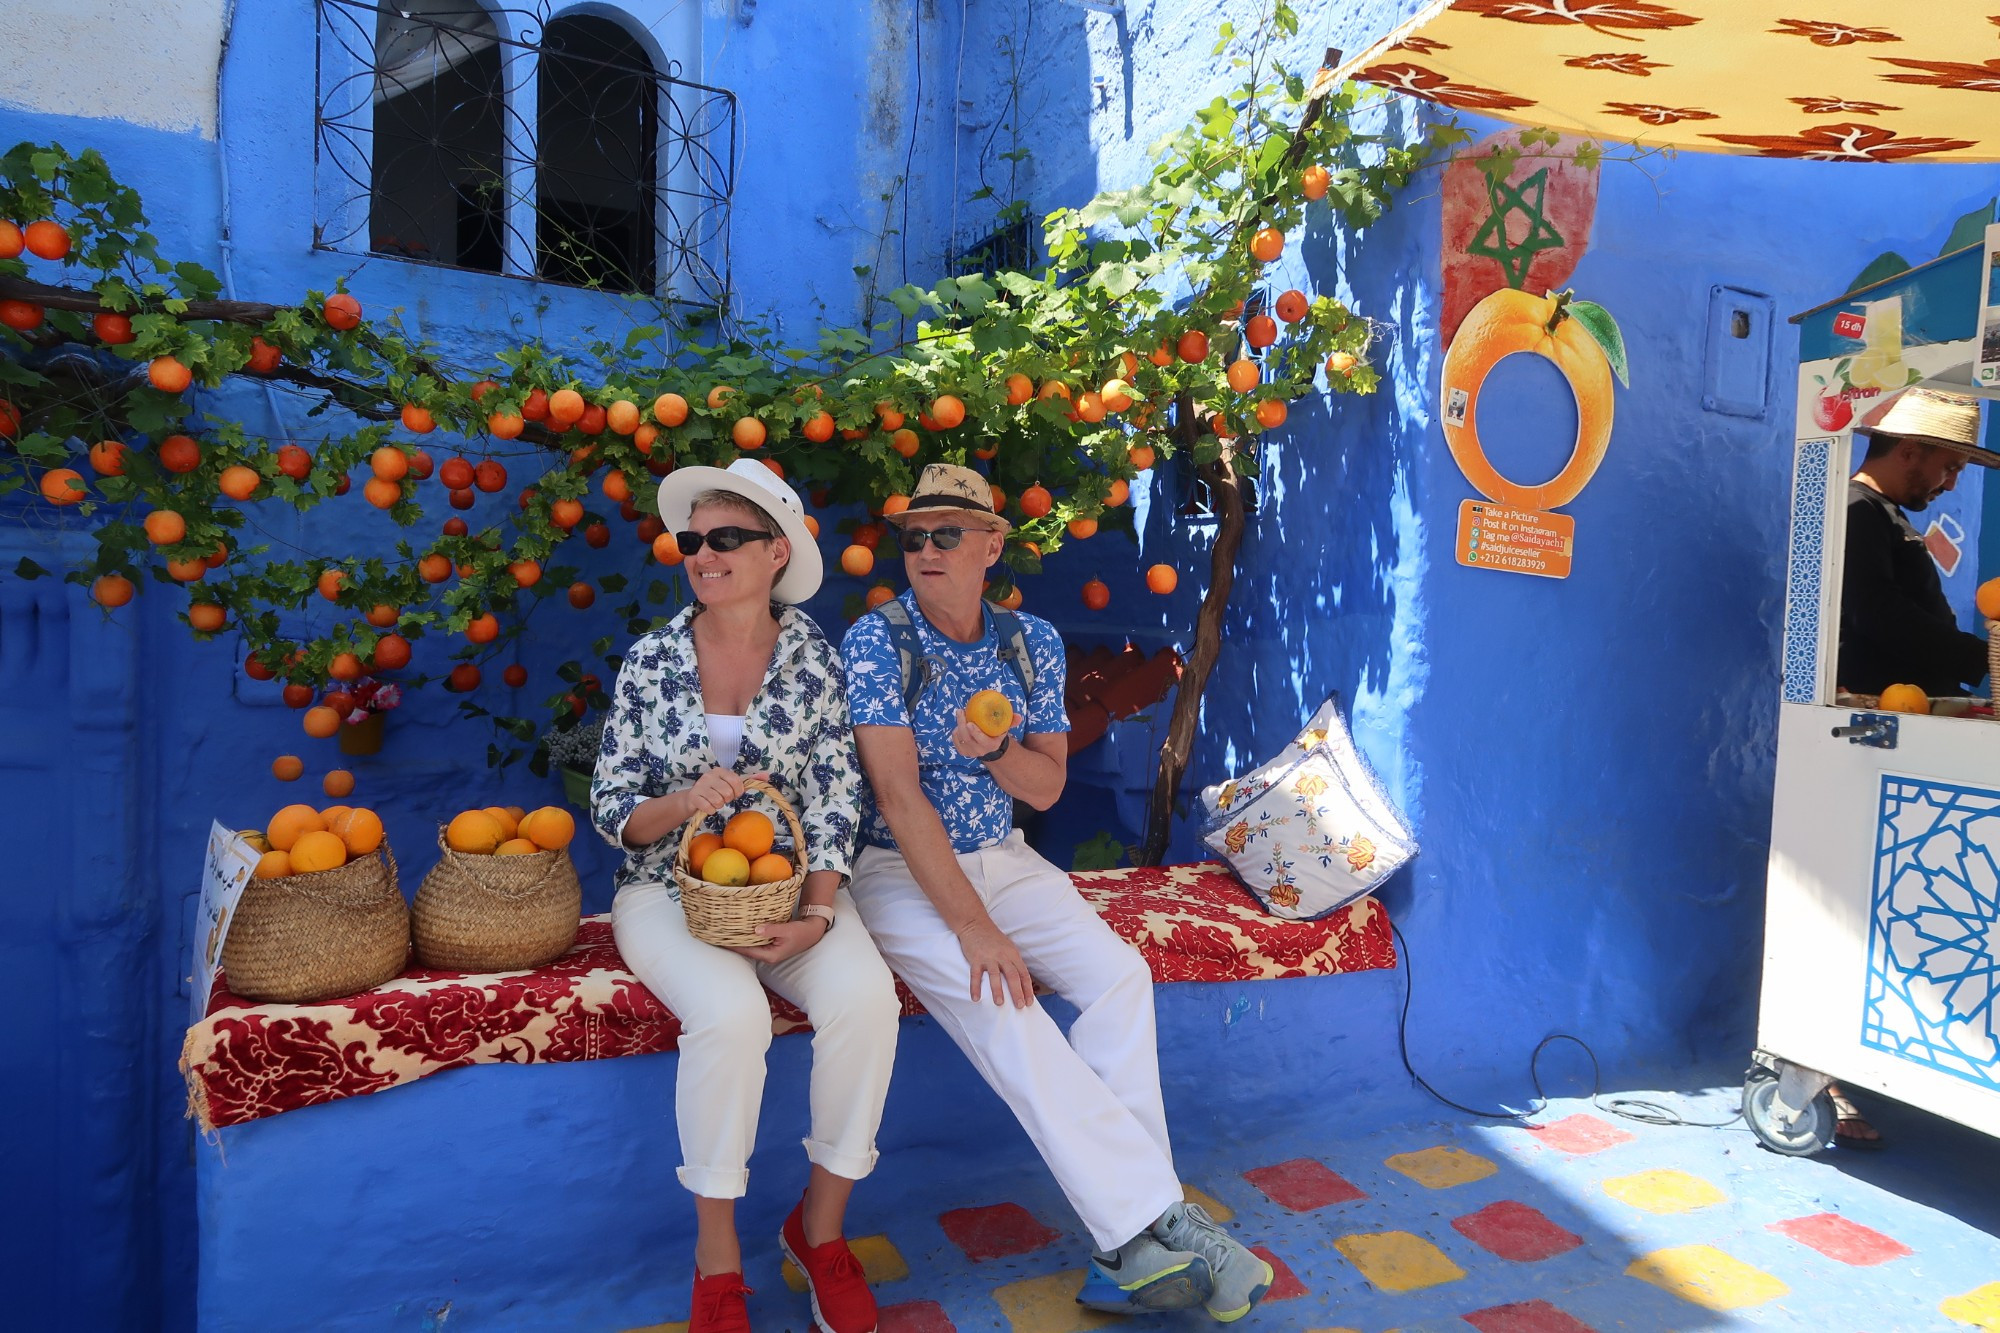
x=1918, y=445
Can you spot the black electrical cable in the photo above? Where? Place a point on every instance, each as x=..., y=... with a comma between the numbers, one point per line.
x=1629, y=1108
x=910, y=157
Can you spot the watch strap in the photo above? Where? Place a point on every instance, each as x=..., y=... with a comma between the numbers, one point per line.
x=998, y=750
x=820, y=910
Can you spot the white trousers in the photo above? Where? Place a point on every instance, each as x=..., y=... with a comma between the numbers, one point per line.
x=1090, y=1102
x=844, y=988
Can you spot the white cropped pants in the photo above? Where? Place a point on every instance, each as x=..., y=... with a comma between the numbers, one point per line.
x=1090, y=1102
x=844, y=988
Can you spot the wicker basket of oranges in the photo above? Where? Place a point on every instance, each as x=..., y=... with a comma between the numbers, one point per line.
x=504, y=896
x=733, y=882
x=323, y=916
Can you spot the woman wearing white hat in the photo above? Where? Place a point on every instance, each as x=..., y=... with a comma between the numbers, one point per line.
x=740, y=684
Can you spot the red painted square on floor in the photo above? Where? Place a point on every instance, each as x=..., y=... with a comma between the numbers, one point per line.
x=1285, y=1283
x=1526, y=1317
x=1580, y=1134
x=1837, y=1238
x=1302, y=1185
x=996, y=1231
x=914, y=1317
x=1516, y=1232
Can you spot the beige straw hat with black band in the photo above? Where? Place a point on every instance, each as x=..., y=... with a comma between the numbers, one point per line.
x=944, y=487
x=1930, y=416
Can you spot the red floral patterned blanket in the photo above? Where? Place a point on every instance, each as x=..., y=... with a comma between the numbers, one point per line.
x=244, y=1060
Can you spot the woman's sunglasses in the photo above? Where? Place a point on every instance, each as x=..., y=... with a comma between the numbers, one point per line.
x=945, y=539
x=722, y=539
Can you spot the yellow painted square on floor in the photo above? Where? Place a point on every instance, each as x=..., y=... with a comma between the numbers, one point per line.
x=880, y=1260
x=1048, y=1305
x=1979, y=1308
x=1398, y=1261
x=1213, y=1206
x=1441, y=1168
x=1664, y=1191
x=1705, y=1276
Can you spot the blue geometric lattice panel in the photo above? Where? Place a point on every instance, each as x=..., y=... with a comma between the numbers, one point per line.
x=1802, y=579
x=1931, y=974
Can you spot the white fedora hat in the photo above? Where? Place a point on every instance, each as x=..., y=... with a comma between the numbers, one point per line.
x=758, y=484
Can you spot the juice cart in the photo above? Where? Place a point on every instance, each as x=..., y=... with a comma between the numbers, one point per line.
x=1884, y=879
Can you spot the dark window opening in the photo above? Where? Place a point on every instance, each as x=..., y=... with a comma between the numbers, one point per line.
x=598, y=157
x=1010, y=247
x=436, y=179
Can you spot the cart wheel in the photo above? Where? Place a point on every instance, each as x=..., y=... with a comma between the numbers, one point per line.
x=1809, y=1134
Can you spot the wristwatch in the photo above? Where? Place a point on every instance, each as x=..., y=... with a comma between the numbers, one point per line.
x=820, y=910
x=998, y=750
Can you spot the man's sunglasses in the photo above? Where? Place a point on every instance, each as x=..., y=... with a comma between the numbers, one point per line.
x=945, y=539
x=722, y=539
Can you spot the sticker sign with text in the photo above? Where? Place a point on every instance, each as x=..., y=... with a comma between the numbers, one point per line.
x=1516, y=541
x=1988, y=356
x=225, y=870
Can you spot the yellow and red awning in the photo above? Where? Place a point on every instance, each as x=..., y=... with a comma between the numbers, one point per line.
x=1836, y=80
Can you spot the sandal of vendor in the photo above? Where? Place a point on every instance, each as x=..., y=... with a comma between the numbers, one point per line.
x=1852, y=1129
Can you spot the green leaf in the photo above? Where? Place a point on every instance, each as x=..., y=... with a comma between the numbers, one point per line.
x=1597, y=322
x=1883, y=266
x=1101, y=852
x=1970, y=229
x=28, y=569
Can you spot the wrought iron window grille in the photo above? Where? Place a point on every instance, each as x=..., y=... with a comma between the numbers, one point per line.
x=503, y=140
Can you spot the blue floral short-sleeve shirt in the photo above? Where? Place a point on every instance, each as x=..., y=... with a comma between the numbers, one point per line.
x=977, y=812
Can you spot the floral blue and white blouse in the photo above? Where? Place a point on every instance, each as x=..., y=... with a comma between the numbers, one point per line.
x=976, y=811
x=796, y=730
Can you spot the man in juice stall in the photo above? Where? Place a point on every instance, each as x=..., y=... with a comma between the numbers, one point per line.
x=1895, y=626
x=958, y=903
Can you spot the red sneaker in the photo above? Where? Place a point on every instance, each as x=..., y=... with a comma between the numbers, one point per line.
x=841, y=1301
x=718, y=1304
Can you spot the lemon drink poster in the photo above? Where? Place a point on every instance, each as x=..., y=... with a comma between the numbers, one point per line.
x=1517, y=213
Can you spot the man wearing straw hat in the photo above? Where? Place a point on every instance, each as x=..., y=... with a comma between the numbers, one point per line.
x=1895, y=625
x=968, y=915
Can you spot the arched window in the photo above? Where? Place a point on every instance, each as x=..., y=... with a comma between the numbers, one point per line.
x=597, y=183
x=437, y=185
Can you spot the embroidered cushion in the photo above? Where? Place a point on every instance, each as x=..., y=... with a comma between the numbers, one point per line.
x=1312, y=830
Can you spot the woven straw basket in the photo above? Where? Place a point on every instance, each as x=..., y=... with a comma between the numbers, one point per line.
x=477, y=913
x=302, y=938
x=1993, y=664
x=717, y=914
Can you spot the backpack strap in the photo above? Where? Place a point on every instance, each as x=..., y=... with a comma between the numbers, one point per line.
x=917, y=669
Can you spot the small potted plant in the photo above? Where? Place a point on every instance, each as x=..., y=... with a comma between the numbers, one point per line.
x=572, y=752
x=362, y=706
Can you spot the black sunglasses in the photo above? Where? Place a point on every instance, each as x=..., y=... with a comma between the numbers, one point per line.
x=945, y=539
x=722, y=539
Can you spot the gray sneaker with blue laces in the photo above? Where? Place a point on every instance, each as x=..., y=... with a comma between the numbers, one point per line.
x=1142, y=1276
x=1238, y=1278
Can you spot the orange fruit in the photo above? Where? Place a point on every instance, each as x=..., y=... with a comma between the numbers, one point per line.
x=187, y=571
x=389, y=463
x=769, y=869
x=46, y=239
x=330, y=813
x=178, y=453
x=168, y=374
x=1292, y=306
x=112, y=590
x=857, y=560
x=1510, y=321
x=1140, y=456
x=748, y=433
x=1987, y=599
x=474, y=831
x=516, y=847
x=1271, y=413
x=1096, y=595
x=670, y=409
x=1904, y=699
x=726, y=866
x=1267, y=244
x=107, y=458
x=287, y=768
x=12, y=241
x=879, y=594
x=991, y=711
x=509, y=822
x=238, y=482
x=207, y=617
x=290, y=823
x=717, y=396
x=749, y=832
x=359, y=828
x=1313, y=182
x=1193, y=346
x=483, y=629
x=617, y=488
x=1090, y=406
x=622, y=416
x=1019, y=389
x=321, y=722
x=581, y=595
x=1036, y=501
x=818, y=428
x=1012, y=601
x=383, y=615
x=316, y=851
x=1243, y=375
x=948, y=410
x=56, y=487
x=1053, y=389
x=1162, y=579
x=1081, y=528
x=1117, y=395
x=548, y=827
x=342, y=312
x=382, y=494
x=434, y=568
x=337, y=783
x=527, y=573
x=1260, y=330
x=273, y=865
x=22, y=315
x=418, y=420
x=905, y=442
x=700, y=846
x=666, y=550
x=1340, y=363
x=895, y=504
x=330, y=582
x=566, y=514
x=164, y=527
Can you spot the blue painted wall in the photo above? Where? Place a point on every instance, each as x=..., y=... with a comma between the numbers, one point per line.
x=1588, y=762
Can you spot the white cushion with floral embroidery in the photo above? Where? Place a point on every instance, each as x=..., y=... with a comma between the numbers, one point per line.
x=1310, y=831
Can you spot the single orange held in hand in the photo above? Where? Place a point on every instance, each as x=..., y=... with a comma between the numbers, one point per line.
x=991, y=711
